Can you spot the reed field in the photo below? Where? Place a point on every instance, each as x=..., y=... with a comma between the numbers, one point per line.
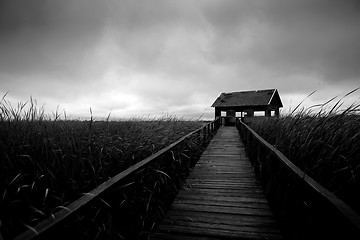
x=324, y=143
x=47, y=162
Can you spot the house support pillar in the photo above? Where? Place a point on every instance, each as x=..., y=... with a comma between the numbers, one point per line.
x=277, y=112
x=249, y=112
x=267, y=113
x=217, y=113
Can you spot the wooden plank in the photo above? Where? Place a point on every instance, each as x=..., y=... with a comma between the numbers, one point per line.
x=222, y=185
x=171, y=236
x=216, y=232
x=223, y=218
x=235, y=199
x=234, y=210
x=229, y=193
x=221, y=225
x=217, y=202
x=216, y=181
x=246, y=187
x=229, y=176
x=221, y=163
x=225, y=189
x=221, y=181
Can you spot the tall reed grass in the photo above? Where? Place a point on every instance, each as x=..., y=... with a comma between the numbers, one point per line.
x=324, y=141
x=47, y=161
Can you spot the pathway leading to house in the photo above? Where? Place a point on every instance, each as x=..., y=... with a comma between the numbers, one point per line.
x=221, y=198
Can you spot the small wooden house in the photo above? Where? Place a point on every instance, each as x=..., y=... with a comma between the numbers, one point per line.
x=248, y=104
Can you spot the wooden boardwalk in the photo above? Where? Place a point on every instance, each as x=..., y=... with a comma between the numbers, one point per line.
x=221, y=198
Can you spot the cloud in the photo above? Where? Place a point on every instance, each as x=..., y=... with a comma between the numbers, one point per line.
x=48, y=37
x=323, y=37
x=289, y=37
x=146, y=56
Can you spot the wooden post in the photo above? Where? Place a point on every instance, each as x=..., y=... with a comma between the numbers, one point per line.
x=257, y=160
x=217, y=123
x=205, y=135
x=277, y=112
x=199, y=138
x=267, y=113
x=217, y=112
x=250, y=112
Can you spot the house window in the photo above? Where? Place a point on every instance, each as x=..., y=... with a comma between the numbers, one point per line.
x=259, y=113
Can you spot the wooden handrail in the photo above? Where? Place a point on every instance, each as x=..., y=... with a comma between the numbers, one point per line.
x=318, y=209
x=74, y=207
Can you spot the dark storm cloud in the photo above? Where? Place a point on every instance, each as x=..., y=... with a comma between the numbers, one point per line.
x=320, y=36
x=157, y=55
x=290, y=36
x=147, y=32
x=48, y=37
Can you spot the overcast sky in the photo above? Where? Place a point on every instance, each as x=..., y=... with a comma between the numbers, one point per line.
x=138, y=58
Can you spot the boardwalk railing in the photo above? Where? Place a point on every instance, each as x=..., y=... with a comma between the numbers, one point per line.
x=304, y=208
x=133, y=199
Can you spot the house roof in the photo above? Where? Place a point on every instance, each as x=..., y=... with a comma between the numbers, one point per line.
x=249, y=99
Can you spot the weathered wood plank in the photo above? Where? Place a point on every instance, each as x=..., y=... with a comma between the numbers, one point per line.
x=217, y=191
x=212, y=194
x=230, y=177
x=220, y=181
x=216, y=232
x=238, y=200
x=219, y=225
x=216, y=202
x=224, y=218
x=235, y=210
x=222, y=185
x=171, y=236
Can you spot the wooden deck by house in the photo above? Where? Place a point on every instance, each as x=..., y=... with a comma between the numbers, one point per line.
x=221, y=198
